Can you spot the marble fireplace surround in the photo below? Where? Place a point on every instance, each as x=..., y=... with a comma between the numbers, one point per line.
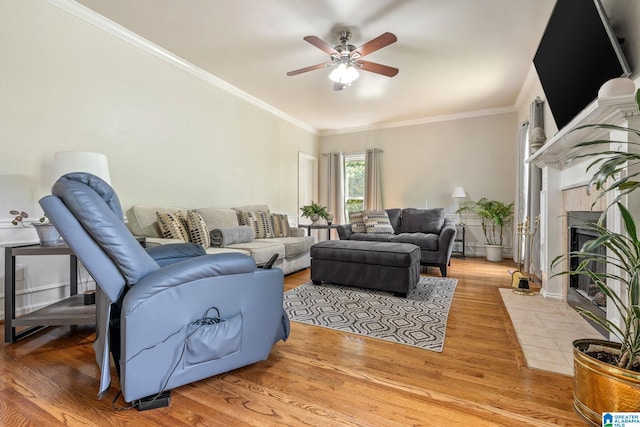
x=564, y=183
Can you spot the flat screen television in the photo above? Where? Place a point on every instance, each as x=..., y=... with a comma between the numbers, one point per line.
x=578, y=52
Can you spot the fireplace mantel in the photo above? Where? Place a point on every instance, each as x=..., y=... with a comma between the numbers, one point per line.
x=561, y=176
x=556, y=151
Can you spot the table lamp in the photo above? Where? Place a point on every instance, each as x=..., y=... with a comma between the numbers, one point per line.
x=458, y=195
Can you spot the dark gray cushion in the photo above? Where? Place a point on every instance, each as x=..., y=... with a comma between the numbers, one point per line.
x=428, y=242
x=372, y=237
x=422, y=220
x=379, y=253
x=394, y=218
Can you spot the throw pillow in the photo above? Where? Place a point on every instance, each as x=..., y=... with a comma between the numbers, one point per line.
x=357, y=222
x=259, y=221
x=377, y=222
x=173, y=226
x=281, y=226
x=198, y=231
x=422, y=220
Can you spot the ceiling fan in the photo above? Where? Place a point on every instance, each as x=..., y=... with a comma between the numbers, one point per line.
x=347, y=58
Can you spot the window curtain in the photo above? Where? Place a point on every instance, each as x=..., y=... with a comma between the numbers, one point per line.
x=372, y=194
x=335, y=186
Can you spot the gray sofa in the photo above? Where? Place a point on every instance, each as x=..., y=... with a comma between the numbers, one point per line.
x=293, y=250
x=426, y=228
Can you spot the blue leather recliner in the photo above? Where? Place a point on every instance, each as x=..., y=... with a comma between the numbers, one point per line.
x=169, y=315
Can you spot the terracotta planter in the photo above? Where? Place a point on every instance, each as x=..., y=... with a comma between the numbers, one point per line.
x=600, y=387
x=493, y=253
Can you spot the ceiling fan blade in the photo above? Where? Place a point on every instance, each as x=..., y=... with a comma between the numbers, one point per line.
x=338, y=86
x=321, y=44
x=377, y=68
x=311, y=68
x=378, y=43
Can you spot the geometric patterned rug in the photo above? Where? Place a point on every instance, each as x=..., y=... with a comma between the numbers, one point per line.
x=420, y=320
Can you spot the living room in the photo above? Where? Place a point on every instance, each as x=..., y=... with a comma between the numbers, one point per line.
x=177, y=136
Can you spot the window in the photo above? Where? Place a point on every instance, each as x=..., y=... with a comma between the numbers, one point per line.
x=353, y=183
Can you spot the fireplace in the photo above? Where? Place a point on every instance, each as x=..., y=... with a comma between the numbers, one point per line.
x=582, y=292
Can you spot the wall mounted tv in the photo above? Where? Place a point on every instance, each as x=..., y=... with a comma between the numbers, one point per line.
x=577, y=54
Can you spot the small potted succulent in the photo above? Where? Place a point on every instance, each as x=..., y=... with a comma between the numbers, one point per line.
x=314, y=212
x=47, y=233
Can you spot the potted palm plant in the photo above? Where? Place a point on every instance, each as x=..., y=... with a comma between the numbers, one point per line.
x=495, y=216
x=314, y=212
x=607, y=372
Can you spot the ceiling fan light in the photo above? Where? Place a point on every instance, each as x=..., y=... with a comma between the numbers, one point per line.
x=350, y=75
x=344, y=74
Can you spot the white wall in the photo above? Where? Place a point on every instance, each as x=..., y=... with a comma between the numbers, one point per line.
x=171, y=135
x=423, y=163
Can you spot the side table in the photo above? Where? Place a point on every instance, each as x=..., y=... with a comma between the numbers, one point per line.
x=327, y=227
x=69, y=311
x=461, y=230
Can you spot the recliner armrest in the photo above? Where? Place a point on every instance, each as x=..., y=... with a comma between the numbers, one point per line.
x=190, y=270
x=169, y=254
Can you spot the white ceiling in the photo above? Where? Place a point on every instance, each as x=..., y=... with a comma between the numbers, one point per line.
x=454, y=56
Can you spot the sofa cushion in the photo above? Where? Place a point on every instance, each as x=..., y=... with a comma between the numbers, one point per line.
x=259, y=221
x=395, y=217
x=173, y=226
x=218, y=218
x=261, y=250
x=372, y=237
x=280, y=223
x=143, y=221
x=356, y=220
x=295, y=246
x=427, y=242
x=377, y=222
x=249, y=208
x=422, y=220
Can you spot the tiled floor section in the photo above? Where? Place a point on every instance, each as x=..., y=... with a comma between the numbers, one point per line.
x=545, y=329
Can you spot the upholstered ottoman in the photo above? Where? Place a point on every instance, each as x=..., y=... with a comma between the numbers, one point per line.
x=384, y=266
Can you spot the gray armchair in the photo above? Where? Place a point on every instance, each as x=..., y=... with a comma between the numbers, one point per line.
x=171, y=315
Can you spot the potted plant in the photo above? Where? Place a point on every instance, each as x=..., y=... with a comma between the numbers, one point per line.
x=47, y=233
x=495, y=216
x=314, y=212
x=607, y=372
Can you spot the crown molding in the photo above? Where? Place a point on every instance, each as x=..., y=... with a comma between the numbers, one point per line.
x=422, y=121
x=117, y=30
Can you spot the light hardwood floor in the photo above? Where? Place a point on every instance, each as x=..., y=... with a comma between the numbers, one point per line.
x=318, y=377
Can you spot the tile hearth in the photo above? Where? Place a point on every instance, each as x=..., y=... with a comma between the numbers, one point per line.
x=545, y=329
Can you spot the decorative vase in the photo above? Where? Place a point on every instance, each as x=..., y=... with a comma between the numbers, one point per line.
x=329, y=218
x=47, y=234
x=314, y=218
x=493, y=253
x=600, y=387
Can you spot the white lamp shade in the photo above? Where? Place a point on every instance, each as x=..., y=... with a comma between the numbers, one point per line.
x=82, y=161
x=458, y=193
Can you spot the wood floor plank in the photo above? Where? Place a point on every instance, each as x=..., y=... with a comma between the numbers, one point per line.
x=318, y=377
